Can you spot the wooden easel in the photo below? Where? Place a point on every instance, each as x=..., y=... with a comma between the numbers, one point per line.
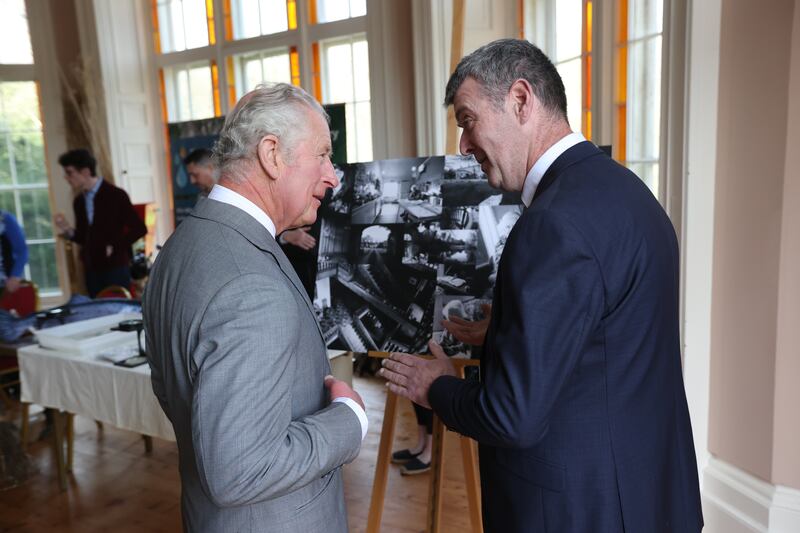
x=468, y=456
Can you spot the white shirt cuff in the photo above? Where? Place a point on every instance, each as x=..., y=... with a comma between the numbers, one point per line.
x=362, y=416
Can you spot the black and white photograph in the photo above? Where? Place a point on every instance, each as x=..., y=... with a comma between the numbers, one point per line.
x=378, y=307
x=397, y=191
x=495, y=224
x=445, y=308
x=465, y=184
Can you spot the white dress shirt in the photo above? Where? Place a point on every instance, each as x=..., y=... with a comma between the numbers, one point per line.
x=227, y=196
x=536, y=173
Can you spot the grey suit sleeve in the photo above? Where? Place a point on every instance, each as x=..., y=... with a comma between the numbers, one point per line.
x=248, y=448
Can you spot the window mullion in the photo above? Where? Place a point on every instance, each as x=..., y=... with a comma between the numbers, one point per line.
x=222, y=63
x=304, y=44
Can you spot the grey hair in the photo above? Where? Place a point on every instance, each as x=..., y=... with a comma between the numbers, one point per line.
x=269, y=109
x=500, y=63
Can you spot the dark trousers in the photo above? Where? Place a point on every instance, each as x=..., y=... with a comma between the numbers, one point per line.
x=98, y=280
x=424, y=417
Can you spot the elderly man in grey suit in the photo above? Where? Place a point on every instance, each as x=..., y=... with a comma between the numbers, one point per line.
x=237, y=357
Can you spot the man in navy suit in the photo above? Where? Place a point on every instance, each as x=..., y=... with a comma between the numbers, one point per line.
x=580, y=412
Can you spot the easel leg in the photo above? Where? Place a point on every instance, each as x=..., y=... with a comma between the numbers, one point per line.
x=382, y=466
x=437, y=468
x=58, y=448
x=472, y=481
x=70, y=439
x=23, y=432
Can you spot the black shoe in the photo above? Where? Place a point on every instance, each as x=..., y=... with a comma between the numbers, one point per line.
x=414, y=466
x=403, y=456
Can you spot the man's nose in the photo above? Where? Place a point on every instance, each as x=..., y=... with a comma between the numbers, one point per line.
x=465, y=144
x=329, y=177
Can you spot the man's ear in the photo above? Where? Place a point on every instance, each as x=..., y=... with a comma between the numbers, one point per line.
x=522, y=99
x=269, y=156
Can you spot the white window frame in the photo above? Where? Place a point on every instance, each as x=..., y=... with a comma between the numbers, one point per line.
x=301, y=38
x=44, y=71
x=604, y=75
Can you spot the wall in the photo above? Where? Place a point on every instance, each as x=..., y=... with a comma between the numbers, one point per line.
x=751, y=144
x=786, y=424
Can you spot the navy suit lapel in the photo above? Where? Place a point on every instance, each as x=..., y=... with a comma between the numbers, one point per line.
x=573, y=155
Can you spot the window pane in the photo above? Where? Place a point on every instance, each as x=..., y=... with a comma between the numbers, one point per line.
x=330, y=10
x=5, y=160
x=189, y=92
x=28, y=151
x=569, y=25
x=644, y=99
x=21, y=145
x=363, y=130
x=7, y=202
x=273, y=16
x=35, y=216
x=361, y=70
x=42, y=266
x=19, y=107
x=648, y=172
x=571, y=75
x=15, y=41
x=201, y=91
x=182, y=24
x=22, y=163
x=261, y=67
x=345, y=80
x=252, y=18
x=645, y=17
x=339, y=72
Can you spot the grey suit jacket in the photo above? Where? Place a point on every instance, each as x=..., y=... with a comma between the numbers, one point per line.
x=238, y=362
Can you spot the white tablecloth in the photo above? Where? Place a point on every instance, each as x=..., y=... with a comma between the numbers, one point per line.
x=89, y=386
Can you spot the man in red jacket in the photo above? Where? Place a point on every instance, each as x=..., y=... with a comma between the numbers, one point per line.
x=106, y=225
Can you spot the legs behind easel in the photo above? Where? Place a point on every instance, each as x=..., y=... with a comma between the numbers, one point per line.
x=437, y=465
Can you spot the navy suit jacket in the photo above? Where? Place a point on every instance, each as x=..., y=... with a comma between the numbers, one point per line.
x=581, y=413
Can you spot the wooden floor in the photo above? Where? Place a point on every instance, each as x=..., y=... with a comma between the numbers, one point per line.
x=116, y=487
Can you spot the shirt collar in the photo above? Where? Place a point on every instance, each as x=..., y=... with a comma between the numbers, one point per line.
x=539, y=168
x=227, y=196
x=95, y=188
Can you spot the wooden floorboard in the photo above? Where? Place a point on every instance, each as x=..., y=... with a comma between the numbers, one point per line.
x=116, y=487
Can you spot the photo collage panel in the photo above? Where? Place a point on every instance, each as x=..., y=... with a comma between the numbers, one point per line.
x=405, y=244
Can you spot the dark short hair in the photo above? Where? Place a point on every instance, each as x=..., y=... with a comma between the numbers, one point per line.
x=500, y=63
x=200, y=156
x=80, y=158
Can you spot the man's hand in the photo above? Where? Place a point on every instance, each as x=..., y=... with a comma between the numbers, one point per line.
x=411, y=376
x=467, y=331
x=340, y=389
x=12, y=284
x=62, y=223
x=299, y=237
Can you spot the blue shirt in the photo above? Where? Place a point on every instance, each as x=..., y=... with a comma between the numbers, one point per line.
x=11, y=232
x=88, y=196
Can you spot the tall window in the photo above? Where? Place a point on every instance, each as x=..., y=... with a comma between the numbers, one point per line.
x=563, y=30
x=630, y=116
x=23, y=175
x=346, y=74
x=639, y=37
x=317, y=44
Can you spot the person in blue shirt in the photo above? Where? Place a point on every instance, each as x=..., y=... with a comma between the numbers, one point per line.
x=14, y=252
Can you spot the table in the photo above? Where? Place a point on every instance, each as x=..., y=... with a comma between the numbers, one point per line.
x=93, y=387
